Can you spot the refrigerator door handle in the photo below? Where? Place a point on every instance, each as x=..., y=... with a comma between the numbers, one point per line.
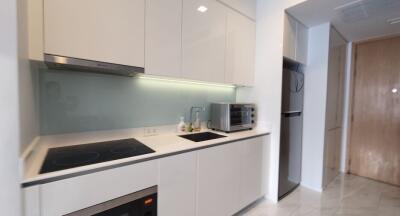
x=291, y=114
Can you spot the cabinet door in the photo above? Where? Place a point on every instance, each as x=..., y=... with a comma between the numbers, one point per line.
x=329, y=152
x=163, y=37
x=332, y=88
x=240, y=49
x=301, y=43
x=247, y=7
x=252, y=151
x=73, y=194
x=340, y=98
x=219, y=180
x=289, y=37
x=203, y=40
x=100, y=30
x=31, y=201
x=332, y=154
x=177, y=185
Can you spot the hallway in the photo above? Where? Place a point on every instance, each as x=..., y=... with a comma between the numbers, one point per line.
x=347, y=195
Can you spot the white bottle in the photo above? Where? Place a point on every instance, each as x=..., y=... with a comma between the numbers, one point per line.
x=181, y=126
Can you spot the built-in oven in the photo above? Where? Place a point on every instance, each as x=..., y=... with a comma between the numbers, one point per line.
x=141, y=203
x=229, y=117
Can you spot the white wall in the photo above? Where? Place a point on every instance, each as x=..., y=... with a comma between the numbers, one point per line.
x=28, y=82
x=266, y=92
x=316, y=76
x=9, y=121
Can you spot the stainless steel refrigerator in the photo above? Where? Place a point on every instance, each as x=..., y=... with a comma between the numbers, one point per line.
x=291, y=127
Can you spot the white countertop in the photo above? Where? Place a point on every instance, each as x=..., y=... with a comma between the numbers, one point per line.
x=167, y=143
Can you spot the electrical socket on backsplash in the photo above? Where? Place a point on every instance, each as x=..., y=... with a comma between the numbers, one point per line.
x=150, y=131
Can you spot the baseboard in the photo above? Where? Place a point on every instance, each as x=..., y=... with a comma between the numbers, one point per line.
x=317, y=189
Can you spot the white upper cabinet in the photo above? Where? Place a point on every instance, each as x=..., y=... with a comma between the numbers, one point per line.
x=301, y=43
x=203, y=40
x=289, y=37
x=295, y=40
x=246, y=7
x=100, y=30
x=240, y=49
x=163, y=37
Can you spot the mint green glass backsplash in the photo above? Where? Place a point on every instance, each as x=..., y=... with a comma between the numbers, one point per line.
x=76, y=102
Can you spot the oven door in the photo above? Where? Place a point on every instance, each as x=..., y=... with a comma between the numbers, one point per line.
x=241, y=117
x=141, y=203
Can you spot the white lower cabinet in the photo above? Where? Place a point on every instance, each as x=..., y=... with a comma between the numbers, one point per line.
x=230, y=177
x=219, y=180
x=177, y=185
x=216, y=181
x=73, y=194
x=31, y=201
x=252, y=152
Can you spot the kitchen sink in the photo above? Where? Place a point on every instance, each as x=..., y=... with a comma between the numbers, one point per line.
x=199, y=137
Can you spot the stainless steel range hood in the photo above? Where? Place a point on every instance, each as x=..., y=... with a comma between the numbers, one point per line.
x=75, y=64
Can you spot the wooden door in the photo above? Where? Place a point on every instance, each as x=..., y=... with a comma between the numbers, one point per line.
x=375, y=135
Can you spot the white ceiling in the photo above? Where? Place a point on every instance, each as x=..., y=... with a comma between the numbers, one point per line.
x=355, y=19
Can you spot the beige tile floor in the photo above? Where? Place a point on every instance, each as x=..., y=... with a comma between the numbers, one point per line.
x=347, y=195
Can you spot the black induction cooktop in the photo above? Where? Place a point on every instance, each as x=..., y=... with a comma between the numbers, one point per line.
x=80, y=155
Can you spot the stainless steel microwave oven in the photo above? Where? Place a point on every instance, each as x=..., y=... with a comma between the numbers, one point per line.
x=230, y=117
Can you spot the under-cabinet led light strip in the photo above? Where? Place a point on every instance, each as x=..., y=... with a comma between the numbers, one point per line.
x=147, y=77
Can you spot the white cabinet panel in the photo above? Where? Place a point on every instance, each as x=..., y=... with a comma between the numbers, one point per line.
x=203, y=40
x=177, y=185
x=247, y=7
x=289, y=37
x=31, y=201
x=332, y=88
x=332, y=154
x=295, y=40
x=69, y=195
x=219, y=180
x=100, y=30
x=163, y=37
x=301, y=43
x=341, y=86
x=35, y=29
x=251, y=171
x=240, y=49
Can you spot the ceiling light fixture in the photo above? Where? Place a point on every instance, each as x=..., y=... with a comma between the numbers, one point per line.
x=202, y=9
x=348, y=4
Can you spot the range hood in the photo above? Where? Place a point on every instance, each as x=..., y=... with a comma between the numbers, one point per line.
x=76, y=64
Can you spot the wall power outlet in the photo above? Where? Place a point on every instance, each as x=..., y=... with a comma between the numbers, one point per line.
x=150, y=131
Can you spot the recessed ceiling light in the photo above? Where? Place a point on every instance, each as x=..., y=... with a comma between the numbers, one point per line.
x=202, y=9
x=394, y=90
x=348, y=4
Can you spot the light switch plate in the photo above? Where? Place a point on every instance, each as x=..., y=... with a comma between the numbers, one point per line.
x=150, y=131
